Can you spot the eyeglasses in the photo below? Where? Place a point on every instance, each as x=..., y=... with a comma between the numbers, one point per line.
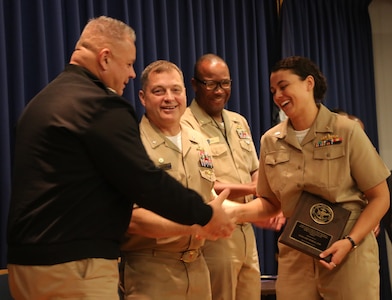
x=212, y=84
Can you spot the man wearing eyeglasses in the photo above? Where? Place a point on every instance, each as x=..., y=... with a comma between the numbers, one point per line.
x=233, y=262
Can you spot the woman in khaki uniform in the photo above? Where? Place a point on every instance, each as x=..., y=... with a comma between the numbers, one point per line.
x=298, y=155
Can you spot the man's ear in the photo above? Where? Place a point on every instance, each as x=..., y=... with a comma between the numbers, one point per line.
x=104, y=58
x=194, y=84
x=141, y=98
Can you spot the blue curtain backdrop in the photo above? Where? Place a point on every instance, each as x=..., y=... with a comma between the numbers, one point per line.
x=336, y=35
x=37, y=38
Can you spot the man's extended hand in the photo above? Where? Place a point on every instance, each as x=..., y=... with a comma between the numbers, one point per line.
x=276, y=223
x=220, y=224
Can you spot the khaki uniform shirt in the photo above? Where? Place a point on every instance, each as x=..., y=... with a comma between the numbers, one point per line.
x=186, y=167
x=233, y=151
x=335, y=160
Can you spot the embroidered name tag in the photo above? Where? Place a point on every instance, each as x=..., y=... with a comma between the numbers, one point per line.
x=165, y=167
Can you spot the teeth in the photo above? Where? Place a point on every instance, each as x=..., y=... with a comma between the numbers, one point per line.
x=284, y=103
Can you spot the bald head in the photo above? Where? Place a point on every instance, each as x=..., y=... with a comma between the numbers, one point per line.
x=210, y=59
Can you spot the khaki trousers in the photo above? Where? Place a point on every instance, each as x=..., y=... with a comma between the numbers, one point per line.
x=87, y=279
x=165, y=277
x=234, y=265
x=356, y=278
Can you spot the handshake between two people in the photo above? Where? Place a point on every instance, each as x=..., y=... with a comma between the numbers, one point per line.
x=251, y=212
x=227, y=213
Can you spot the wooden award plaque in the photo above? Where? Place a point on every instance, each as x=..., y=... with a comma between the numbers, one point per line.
x=315, y=225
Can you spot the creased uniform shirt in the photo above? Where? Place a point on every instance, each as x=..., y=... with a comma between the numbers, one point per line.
x=185, y=166
x=233, y=152
x=336, y=160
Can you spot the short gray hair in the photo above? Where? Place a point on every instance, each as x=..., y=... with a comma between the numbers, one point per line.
x=104, y=31
x=158, y=66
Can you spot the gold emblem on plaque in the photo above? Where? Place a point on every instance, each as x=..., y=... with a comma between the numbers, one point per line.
x=321, y=213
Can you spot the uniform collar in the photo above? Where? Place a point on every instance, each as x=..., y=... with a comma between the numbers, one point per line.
x=203, y=118
x=155, y=137
x=323, y=124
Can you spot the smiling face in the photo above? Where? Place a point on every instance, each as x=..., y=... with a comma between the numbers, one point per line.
x=212, y=101
x=292, y=94
x=164, y=99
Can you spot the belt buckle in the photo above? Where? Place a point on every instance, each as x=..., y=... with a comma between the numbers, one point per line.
x=189, y=256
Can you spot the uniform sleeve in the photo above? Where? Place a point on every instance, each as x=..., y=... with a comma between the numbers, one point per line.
x=263, y=188
x=367, y=167
x=114, y=144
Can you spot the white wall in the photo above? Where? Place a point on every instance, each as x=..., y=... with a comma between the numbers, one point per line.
x=381, y=18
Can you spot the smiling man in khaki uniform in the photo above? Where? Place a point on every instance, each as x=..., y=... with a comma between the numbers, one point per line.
x=233, y=262
x=163, y=259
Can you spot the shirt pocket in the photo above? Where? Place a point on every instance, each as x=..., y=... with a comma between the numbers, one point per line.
x=208, y=175
x=276, y=169
x=246, y=145
x=218, y=150
x=330, y=165
x=277, y=157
